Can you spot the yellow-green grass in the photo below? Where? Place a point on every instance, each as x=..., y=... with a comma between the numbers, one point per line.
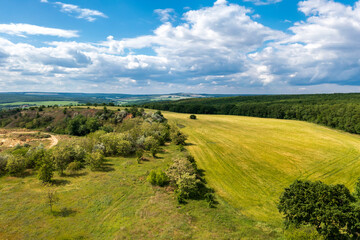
x=117, y=204
x=45, y=103
x=249, y=161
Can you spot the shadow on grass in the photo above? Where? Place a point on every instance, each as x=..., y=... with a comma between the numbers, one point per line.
x=60, y=182
x=106, y=167
x=65, y=212
x=189, y=144
x=75, y=175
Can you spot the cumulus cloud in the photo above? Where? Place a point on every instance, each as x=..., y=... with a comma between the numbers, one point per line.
x=221, y=48
x=21, y=29
x=81, y=13
x=322, y=49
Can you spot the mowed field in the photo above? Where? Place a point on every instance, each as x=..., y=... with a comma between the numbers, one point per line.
x=249, y=161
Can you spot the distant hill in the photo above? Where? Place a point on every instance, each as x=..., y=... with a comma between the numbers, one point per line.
x=15, y=99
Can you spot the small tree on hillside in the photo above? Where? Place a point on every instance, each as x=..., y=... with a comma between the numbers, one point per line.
x=52, y=198
x=46, y=171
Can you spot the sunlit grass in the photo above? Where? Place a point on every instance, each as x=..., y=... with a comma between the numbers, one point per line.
x=249, y=161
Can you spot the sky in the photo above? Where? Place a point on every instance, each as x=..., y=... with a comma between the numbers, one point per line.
x=192, y=46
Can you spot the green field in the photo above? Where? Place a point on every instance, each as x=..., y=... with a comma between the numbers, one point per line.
x=249, y=161
x=116, y=204
x=45, y=103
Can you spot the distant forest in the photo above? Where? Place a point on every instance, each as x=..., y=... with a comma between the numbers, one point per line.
x=340, y=111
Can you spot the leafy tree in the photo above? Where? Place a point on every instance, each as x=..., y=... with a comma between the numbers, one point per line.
x=15, y=165
x=3, y=163
x=329, y=208
x=46, y=171
x=124, y=148
x=74, y=167
x=178, y=137
x=95, y=160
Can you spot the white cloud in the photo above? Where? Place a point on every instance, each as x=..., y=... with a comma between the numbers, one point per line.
x=165, y=14
x=263, y=2
x=322, y=49
x=21, y=29
x=215, y=49
x=81, y=13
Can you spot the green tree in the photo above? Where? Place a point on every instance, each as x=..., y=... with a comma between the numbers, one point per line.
x=15, y=165
x=95, y=160
x=46, y=171
x=329, y=208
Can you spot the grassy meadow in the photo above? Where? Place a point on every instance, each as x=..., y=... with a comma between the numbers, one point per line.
x=117, y=203
x=249, y=161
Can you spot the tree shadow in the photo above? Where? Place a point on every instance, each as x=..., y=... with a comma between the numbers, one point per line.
x=60, y=182
x=75, y=175
x=189, y=144
x=107, y=167
x=65, y=212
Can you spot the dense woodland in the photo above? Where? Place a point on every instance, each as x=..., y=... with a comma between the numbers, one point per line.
x=340, y=111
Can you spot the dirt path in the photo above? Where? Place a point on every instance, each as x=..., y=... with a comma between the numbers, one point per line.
x=54, y=140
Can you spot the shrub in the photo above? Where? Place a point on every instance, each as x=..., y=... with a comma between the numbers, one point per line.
x=177, y=137
x=139, y=155
x=74, y=167
x=15, y=166
x=150, y=142
x=158, y=178
x=154, y=150
x=34, y=157
x=210, y=199
x=95, y=160
x=124, y=148
x=46, y=171
x=3, y=163
x=192, y=116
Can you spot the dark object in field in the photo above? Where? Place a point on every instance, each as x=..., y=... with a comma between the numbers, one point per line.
x=192, y=116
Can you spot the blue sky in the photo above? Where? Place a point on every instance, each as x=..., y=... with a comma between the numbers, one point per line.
x=140, y=46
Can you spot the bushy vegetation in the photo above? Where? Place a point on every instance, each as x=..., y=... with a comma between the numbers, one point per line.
x=341, y=111
x=158, y=178
x=329, y=209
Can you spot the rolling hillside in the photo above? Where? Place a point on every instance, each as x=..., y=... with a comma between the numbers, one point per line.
x=249, y=161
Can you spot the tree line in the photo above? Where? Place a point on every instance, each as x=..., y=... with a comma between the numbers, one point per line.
x=340, y=111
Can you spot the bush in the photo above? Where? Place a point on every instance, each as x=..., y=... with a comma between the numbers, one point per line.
x=210, y=199
x=3, y=163
x=177, y=137
x=73, y=167
x=158, y=178
x=192, y=116
x=95, y=160
x=124, y=148
x=150, y=142
x=15, y=166
x=46, y=171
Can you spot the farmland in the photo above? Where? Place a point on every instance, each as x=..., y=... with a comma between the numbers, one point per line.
x=249, y=161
